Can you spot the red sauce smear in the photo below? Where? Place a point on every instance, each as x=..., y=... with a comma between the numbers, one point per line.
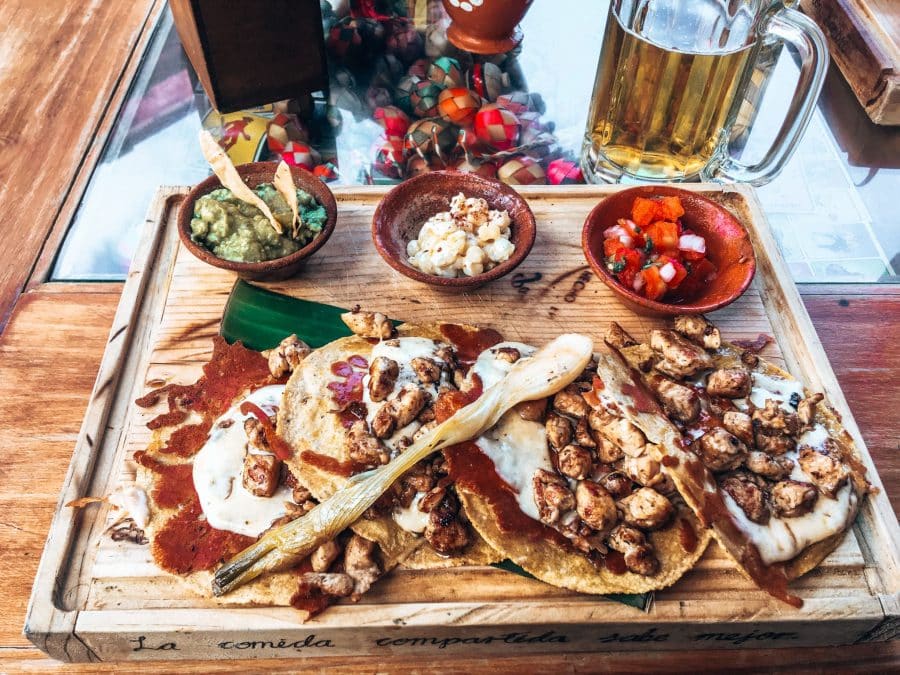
x=331, y=464
x=354, y=412
x=615, y=562
x=174, y=486
x=670, y=461
x=310, y=598
x=643, y=401
x=757, y=345
x=470, y=342
x=277, y=444
x=352, y=371
x=687, y=535
x=358, y=361
x=713, y=511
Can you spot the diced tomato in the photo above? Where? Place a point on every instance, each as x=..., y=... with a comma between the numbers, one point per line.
x=664, y=234
x=654, y=286
x=699, y=275
x=611, y=247
x=643, y=211
x=670, y=208
x=693, y=256
x=680, y=270
x=626, y=263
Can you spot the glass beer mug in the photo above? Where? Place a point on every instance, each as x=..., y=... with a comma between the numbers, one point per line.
x=670, y=82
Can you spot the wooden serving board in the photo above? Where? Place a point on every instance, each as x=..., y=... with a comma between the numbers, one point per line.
x=95, y=599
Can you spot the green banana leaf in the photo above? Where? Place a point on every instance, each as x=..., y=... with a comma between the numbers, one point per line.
x=261, y=319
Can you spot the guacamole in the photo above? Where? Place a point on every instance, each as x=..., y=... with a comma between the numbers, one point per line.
x=237, y=231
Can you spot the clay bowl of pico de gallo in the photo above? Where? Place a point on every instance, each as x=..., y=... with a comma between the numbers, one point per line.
x=665, y=251
x=426, y=231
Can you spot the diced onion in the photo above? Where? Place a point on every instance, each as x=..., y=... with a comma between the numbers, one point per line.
x=692, y=242
x=638, y=282
x=667, y=272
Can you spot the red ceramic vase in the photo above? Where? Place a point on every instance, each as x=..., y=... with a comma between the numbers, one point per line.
x=485, y=26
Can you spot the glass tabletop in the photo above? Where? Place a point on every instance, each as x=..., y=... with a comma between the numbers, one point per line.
x=833, y=208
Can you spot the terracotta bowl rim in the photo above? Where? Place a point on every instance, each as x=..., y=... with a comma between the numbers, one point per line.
x=302, y=179
x=664, y=308
x=523, y=245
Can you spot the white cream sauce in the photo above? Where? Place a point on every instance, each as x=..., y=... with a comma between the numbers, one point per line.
x=133, y=501
x=411, y=518
x=217, y=471
x=766, y=387
x=517, y=447
x=408, y=348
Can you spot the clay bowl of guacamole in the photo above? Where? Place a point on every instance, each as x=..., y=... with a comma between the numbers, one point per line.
x=225, y=232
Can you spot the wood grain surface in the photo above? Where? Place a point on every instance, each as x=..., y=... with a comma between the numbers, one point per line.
x=60, y=61
x=44, y=417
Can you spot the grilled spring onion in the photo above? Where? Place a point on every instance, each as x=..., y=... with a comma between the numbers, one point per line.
x=545, y=373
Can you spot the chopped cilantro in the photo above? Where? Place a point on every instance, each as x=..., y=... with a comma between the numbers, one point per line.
x=649, y=245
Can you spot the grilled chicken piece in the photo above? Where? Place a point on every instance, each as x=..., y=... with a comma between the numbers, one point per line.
x=720, y=450
x=364, y=448
x=300, y=494
x=739, y=424
x=361, y=564
x=340, y=585
x=570, y=402
x=626, y=435
x=643, y=470
x=680, y=358
x=383, y=375
x=775, y=445
x=583, y=435
x=444, y=531
x=749, y=492
x=284, y=358
x=260, y=474
x=575, y=461
x=681, y=402
x=617, y=484
x=806, y=409
x=631, y=542
x=775, y=468
x=552, y=496
x=772, y=420
x=824, y=470
x=639, y=357
x=792, y=498
x=256, y=433
x=384, y=423
x=729, y=383
x=427, y=370
x=617, y=338
x=369, y=324
x=607, y=451
x=647, y=509
x=322, y=557
x=595, y=505
x=559, y=431
x=697, y=329
x=409, y=404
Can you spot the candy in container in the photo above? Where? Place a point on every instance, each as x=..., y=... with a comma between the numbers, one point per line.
x=497, y=127
x=282, y=129
x=520, y=102
x=487, y=80
x=389, y=158
x=387, y=70
x=403, y=40
x=424, y=98
x=419, y=68
x=522, y=170
x=429, y=136
x=378, y=96
x=445, y=71
x=458, y=105
x=300, y=154
x=563, y=171
x=394, y=121
x=403, y=92
x=345, y=40
x=467, y=164
x=326, y=172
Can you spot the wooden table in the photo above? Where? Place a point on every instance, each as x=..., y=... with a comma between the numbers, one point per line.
x=73, y=60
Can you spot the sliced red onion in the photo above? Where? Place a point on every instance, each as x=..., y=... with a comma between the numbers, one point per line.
x=692, y=242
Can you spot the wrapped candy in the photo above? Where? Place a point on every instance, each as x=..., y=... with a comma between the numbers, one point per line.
x=326, y=172
x=389, y=158
x=429, y=136
x=445, y=71
x=563, y=171
x=387, y=70
x=458, y=105
x=282, y=129
x=345, y=41
x=521, y=170
x=394, y=121
x=377, y=97
x=487, y=80
x=497, y=127
x=403, y=40
x=424, y=98
x=404, y=90
x=520, y=102
x=300, y=154
x=468, y=164
x=417, y=164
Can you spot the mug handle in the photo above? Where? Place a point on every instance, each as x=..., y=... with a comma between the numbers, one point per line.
x=786, y=25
